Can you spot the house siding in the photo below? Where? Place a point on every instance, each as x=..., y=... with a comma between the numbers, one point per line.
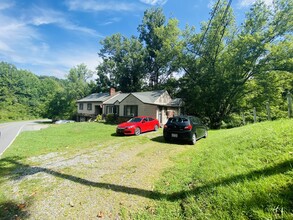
x=143, y=109
x=85, y=109
x=85, y=114
x=163, y=99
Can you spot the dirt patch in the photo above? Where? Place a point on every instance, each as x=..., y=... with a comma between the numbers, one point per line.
x=110, y=182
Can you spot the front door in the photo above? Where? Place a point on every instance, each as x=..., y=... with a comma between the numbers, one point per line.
x=98, y=110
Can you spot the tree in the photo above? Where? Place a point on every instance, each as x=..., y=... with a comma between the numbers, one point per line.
x=219, y=61
x=75, y=86
x=123, y=64
x=134, y=64
x=24, y=95
x=153, y=19
x=62, y=106
x=77, y=80
x=168, y=56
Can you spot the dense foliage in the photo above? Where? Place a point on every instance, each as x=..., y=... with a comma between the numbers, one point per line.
x=23, y=95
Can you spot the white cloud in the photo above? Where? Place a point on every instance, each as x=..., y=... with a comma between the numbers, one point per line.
x=154, y=2
x=247, y=3
x=23, y=45
x=56, y=62
x=98, y=5
x=43, y=16
x=6, y=4
x=73, y=57
x=15, y=34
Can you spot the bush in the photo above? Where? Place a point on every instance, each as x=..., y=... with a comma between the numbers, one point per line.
x=111, y=119
x=99, y=118
x=234, y=120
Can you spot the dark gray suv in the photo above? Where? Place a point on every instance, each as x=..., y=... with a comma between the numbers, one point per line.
x=187, y=128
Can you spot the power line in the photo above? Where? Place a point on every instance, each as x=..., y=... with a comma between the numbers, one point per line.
x=210, y=21
x=224, y=26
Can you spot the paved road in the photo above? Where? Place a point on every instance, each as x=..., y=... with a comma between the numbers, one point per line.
x=9, y=131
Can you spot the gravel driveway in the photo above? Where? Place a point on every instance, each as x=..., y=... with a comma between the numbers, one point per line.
x=108, y=182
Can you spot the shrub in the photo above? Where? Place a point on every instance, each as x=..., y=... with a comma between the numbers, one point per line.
x=110, y=119
x=99, y=118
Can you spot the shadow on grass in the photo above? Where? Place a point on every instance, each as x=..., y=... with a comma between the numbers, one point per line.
x=253, y=175
x=280, y=205
x=160, y=139
x=10, y=210
x=17, y=170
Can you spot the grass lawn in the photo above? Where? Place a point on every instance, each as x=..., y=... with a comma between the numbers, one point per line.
x=240, y=173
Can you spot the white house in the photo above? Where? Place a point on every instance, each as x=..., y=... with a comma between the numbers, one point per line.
x=157, y=104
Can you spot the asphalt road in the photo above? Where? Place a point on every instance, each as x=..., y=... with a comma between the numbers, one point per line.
x=10, y=130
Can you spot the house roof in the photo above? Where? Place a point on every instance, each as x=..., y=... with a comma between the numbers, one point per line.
x=175, y=102
x=148, y=97
x=118, y=97
x=95, y=97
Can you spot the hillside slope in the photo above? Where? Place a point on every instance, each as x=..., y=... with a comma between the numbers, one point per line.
x=241, y=173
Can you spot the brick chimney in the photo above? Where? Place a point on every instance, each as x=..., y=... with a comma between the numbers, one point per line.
x=112, y=91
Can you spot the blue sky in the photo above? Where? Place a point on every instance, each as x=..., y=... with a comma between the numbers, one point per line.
x=49, y=37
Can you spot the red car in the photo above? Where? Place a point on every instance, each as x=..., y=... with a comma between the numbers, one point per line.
x=138, y=125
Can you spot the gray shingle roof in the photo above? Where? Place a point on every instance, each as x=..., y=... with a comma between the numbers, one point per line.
x=95, y=97
x=175, y=102
x=148, y=97
x=118, y=97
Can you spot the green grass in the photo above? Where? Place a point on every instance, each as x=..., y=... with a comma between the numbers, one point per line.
x=65, y=137
x=241, y=173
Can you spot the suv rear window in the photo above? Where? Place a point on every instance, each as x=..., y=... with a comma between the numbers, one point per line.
x=177, y=120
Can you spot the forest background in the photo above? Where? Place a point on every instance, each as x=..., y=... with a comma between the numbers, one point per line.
x=224, y=72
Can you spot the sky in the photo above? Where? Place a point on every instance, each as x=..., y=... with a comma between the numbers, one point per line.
x=49, y=37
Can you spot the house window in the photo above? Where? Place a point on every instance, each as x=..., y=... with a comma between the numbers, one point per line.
x=116, y=109
x=110, y=109
x=130, y=110
x=89, y=106
x=80, y=106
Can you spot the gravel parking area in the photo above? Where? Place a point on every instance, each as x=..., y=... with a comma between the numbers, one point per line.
x=108, y=182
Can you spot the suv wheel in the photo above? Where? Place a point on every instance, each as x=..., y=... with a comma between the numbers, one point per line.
x=193, y=139
x=206, y=134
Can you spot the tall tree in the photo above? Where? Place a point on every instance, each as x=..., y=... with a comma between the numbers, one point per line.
x=219, y=61
x=153, y=19
x=77, y=80
x=169, y=55
x=123, y=63
x=76, y=86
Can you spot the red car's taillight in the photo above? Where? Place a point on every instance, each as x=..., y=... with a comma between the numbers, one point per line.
x=188, y=127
